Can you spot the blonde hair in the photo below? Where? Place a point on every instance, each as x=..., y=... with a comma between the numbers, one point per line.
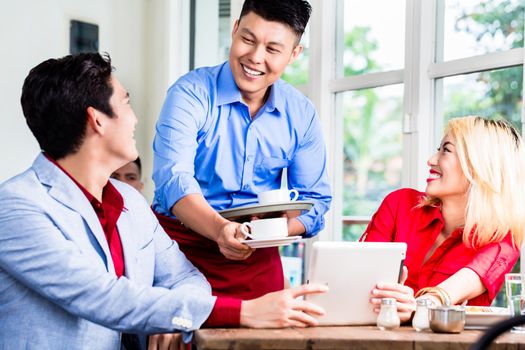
x=491, y=155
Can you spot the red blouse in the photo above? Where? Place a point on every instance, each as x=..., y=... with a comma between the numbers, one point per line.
x=398, y=219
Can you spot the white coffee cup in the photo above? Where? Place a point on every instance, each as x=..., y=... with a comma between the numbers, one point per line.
x=265, y=228
x=278, y=196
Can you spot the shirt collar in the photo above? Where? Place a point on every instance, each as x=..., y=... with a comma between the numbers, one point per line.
x=275, y=101
x=89, y=196
x=228, y=91
x=431, y=214
x=110, y=195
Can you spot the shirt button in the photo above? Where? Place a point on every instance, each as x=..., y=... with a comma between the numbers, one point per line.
x=250, y=158
x=181, y=322
x=245, y=187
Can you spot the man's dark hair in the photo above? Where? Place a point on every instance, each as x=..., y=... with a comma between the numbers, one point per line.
x=139, y=165
x=56, y=95
x=293, y=13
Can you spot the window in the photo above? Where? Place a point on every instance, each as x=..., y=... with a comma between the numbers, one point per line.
x=395, y=75
x=480, y=41
x=491, y=94
x=373, y=39
x=474, y=27
x=368, y=89
x=371, y=151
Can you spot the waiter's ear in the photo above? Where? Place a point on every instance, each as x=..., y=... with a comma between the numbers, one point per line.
x=235, y=27
x=295, y=53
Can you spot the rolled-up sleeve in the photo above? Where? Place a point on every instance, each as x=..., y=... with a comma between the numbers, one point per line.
x=308, y=173
x=492, y=262
x=175, y=144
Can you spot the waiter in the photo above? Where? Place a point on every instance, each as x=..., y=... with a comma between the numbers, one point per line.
x=225, y=133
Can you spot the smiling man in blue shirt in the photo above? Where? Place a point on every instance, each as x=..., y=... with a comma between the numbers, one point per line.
x=225, y=134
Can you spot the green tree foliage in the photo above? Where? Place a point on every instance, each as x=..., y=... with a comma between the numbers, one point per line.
x=495, y=21
x=359, y=47
x=503, y=18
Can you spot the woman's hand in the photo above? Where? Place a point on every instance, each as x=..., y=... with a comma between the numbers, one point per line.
x=406, y=303
x=283, y=309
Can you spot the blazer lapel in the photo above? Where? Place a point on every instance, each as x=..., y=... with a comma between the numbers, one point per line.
x=129, y=246
x=64, y=190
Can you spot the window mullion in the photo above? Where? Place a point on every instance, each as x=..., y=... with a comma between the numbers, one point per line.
x=322, y=68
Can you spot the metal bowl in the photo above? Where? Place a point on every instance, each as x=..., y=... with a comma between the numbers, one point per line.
x=446, y=319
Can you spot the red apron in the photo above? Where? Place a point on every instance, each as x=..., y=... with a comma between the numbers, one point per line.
x=251, y=278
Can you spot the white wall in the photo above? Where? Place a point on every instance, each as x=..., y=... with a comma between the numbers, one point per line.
x=30, y=31
x=167, y=58
x=207, y=39
x=143, y=38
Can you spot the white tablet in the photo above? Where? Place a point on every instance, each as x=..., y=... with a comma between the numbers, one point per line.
x=351, y=270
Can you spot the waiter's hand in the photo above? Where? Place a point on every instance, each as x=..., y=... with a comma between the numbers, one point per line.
x=229, y=244
x=283, y=308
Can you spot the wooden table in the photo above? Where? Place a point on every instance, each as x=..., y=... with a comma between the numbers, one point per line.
x=362, y=337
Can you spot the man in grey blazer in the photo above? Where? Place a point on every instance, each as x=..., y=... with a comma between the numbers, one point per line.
x=82, y=257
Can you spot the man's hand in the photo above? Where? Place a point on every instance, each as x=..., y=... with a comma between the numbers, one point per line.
x=229, y=244
x=283, y=309
x=171, y=341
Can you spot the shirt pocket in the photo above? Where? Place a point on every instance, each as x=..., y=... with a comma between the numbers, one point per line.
x=448, y=266
x=269, y=169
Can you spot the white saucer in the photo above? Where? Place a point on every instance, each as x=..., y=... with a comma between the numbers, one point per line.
x=270, y=242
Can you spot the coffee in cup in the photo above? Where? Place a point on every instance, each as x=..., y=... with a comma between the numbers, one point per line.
x=265, y=228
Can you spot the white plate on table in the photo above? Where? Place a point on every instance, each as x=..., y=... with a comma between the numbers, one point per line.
x=480, y=317
x=270, y=242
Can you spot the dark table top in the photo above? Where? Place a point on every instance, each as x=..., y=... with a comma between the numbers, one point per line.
x=354, y=337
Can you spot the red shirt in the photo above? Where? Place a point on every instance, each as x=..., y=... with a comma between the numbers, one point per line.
x=399, y=220
x=108, y=211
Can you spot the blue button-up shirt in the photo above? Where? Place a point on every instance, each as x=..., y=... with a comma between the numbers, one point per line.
x=206, y=142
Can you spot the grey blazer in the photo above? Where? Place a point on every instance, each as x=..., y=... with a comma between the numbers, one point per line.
x=58, y=288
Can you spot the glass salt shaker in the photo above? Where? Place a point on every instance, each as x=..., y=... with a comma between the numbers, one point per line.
x=388, y=317
x=420, y=321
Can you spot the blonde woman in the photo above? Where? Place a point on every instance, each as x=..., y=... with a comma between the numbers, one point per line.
x=464, y=233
